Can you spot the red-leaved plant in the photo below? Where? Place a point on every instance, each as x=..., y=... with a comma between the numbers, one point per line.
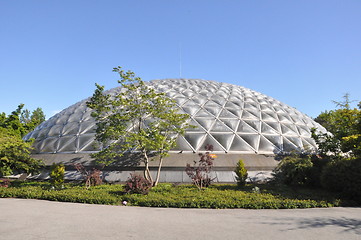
x=137, y=184
x=5, y=183
x=92, y=178
x=200, y=173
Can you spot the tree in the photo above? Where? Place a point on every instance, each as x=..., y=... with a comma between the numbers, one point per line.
x=135, y=119
x=30, y=121
x=21, y=121
x=344, y=123
x=15, y=152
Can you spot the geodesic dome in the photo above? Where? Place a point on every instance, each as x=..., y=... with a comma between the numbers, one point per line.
x=232, y=118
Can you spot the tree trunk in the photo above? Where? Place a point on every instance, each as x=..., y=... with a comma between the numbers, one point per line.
x=147, y=174
x=158, y=172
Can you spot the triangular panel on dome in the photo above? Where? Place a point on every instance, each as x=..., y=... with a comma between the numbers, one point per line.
x=236, y=97
x=219, y=100
x=267, y=108
x=251, y=139
x=203, y=113
x=240, y=145
x=67, y=144
x=206, y=123
x=213, y=110
x=62, y=119
x=188, y=93
x=231, y=123
x=222, y=93
x=225, y=114
x=225, y=139
x=287, y=130
x=71, y=128
x=87, y=127
x=180, y=100
x=219, y=126
x=255, y=124
x=288, y=146
x=75, y=117
x=267, y=129
x=248, y=115
x=199, y=100
x=86, y=143
x=238, y=103
x=303, y=131
x=267, y=146
x=205, y=93
x=43, y=133
x=86, y=115
x=237, y=112
x=254, y=112
x=231, y=105
x=295, y=140
x=55, y=130
x=49, y=144
x=190, y=110
x=275, y=140
x=275, y=125
x=296, y=119
x=309, y=144
x=196, y=127
x=269, y=117
x=209, y=140
x=182, y=145
x=243, y=127
x=194, y=139
x=284, y=118
x=250, y=106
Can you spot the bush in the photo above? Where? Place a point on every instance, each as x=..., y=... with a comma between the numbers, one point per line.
x=294, y=170
x=200, y=173
x=343, y=176
x=182, y=196
x=241, y=173
x=137, y=184
x=57, y=172
x=91, y=178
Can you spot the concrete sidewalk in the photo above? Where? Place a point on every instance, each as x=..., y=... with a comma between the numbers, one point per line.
x=36, y=219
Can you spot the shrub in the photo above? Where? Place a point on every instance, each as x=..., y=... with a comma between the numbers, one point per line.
x=57, y=172
x=137, y=184
x=200, y=173
x=92, y=178
x=343, y=176
x=5, y=183
x=294, y=170
x=241, y=173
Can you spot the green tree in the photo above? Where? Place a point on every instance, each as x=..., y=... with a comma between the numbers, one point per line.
x=15, y=154
x=137, y=119
x=344, y=124
x=241, y=173
x=33, y=119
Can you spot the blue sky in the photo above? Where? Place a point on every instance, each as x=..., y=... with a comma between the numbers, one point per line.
x=303, y=53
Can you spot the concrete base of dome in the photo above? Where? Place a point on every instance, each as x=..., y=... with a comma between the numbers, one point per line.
x=174, y=161
x=165, y=176
x=173, y=170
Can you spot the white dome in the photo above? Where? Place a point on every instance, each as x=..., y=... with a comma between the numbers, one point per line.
x=232, y=118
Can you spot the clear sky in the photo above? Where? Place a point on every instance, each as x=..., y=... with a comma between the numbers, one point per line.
x=303, y=53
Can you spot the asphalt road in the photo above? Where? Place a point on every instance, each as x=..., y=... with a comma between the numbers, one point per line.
x=36, y=219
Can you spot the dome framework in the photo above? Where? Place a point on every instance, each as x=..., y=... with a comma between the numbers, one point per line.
x=232, y=118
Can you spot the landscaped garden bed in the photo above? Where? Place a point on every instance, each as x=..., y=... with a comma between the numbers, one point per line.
x=265, y=196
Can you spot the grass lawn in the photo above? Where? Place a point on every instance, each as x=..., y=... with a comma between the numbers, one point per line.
x=181, y=196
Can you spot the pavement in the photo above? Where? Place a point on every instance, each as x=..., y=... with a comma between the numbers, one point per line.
x=38, y=219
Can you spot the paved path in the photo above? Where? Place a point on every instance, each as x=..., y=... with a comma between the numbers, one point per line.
x=36, y=219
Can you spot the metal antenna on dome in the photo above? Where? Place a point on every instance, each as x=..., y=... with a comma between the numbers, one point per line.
x=180, y=59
